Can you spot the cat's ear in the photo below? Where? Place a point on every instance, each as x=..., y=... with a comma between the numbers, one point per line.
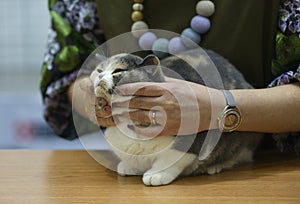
x=154, y=65
x=150, y=60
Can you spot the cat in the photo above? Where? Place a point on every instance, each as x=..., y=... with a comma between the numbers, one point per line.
x=160, y=160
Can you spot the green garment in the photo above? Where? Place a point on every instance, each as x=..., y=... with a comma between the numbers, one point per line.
x=242, y=31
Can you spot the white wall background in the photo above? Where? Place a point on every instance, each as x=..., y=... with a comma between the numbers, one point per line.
x=23, y=36
x=22, y=43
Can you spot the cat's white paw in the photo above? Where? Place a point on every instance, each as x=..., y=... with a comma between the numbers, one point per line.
x=158, y=179
x=125, y=169
x=214, y=170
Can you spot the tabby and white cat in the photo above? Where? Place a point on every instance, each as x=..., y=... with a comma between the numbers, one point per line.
x=162, y=159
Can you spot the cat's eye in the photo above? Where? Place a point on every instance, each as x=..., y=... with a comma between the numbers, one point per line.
x=99, y=70
x=118, y=70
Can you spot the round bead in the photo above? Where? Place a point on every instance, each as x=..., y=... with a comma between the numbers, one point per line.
x=160, y=47
x=200, y=24
x=137, y=7
x=146, y=40
x=176, y=45
x=190, y=38
x=205, y=8
x=136, y=16
x=139, y=28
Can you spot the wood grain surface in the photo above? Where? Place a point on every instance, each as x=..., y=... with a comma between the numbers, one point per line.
x=41, y=176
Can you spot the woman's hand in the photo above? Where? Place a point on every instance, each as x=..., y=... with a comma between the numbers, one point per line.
x=86, y=104
x=176, y=107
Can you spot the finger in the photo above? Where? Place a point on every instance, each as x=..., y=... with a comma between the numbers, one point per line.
x=140, y=116
x=106, y=122
x=103, y=112
x=141, y=89
x=101, y=102
x=145, y=103
x=145, y=117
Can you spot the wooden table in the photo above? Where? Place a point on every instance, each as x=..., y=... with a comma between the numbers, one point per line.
x=39, y=176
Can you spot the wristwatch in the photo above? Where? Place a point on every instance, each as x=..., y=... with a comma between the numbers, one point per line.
x=230, y=119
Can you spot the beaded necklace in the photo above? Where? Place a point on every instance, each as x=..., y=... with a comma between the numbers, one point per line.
x=190, y=37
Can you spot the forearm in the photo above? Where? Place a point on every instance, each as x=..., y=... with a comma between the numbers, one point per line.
x=272, y=110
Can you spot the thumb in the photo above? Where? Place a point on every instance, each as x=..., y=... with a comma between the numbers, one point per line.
x=86, y=85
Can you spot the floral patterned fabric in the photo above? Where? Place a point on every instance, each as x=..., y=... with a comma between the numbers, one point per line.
x=287, y=50
x=286, y=78
x=286, y=63
x=75, y=33
x=289, y=17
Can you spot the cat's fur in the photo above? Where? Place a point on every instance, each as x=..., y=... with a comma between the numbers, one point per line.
x=162, y=159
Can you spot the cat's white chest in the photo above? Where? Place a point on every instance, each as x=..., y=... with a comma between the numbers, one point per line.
x=126, y=143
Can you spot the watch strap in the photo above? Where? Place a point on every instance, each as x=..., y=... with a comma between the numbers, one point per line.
x=229, y=98
x=230, y=118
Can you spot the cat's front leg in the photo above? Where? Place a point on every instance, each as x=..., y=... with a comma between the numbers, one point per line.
x=127, y=169
x=163, y=172
x=133, y=167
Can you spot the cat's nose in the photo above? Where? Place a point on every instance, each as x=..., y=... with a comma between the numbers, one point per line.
x=101, y=75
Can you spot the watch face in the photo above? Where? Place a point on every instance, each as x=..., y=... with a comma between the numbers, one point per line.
x=230, y=120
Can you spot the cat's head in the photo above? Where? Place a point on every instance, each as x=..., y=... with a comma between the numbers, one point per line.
x=122, y=69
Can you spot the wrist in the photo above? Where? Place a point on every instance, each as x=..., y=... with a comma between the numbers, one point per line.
x=211, y=104
x=230, y=118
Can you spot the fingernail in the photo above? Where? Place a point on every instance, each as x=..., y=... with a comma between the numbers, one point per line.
x=100, y=102
x=107, y=109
